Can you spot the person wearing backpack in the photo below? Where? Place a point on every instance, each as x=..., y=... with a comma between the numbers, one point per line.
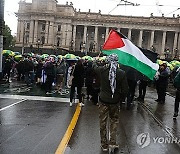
x=177, y=99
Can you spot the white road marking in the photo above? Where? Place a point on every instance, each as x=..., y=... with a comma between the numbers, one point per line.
x=4, y=108
x=36, y=98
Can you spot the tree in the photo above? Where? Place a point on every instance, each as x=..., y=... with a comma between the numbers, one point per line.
x=8, y=40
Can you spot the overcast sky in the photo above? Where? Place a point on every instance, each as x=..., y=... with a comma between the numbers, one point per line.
x=157, y=7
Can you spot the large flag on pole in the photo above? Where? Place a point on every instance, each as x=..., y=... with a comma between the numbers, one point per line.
x=129, y=54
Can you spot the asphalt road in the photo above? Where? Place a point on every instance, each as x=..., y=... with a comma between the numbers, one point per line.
x=36, y=125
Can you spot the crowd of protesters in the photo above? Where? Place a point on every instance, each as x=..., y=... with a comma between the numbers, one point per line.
x=51, y=71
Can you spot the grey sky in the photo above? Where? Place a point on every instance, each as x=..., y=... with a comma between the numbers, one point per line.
x=157, y=7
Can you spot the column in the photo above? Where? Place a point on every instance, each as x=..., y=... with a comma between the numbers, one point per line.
x=85, y=34
x=163, y=43
x=178, y=46
x=74, y=37
x=175, y=42
x=55, y=34
x=22, y=31
x=31, y=31
x=140, y=38
x=129, y=34
x=36, y=32
x=18, y=31
x=46, y=32
x=64, y=34
x=96, y=38
x=69, y=35
x=107, y=32
x=51, y=34
x=151, y=39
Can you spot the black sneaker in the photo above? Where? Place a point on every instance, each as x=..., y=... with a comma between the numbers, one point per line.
x=104, y=148
x=157, y=100
x=138, y=98
x=175, y=115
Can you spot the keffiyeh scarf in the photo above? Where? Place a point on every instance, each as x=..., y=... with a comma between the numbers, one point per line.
x=113, y=61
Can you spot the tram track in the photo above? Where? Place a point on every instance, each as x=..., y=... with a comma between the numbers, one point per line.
x=169, y=131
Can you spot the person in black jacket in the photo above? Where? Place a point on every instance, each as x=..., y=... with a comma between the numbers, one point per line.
x=132, y=78
x=20, y=70
x=142, y=88
x=161, y=83
x=177, y=99
x=78, y=81
x=89, y=79
x=7, y=67
x=113, y=89
x=95, y=88
x=29, y=70
x=50, y=72
x=39, y=68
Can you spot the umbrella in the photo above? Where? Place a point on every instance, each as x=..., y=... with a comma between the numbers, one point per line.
x=8, y=53
x=17, y=53
x=54, y=56
x=27, y=54
x=159, y=61
x=170, y=66
x=77, y=57
x=89, y=58
x=70, y=56
x=32, y=54
x=60, y=56
x=45, y=55
x=18, y=57
x=102, y=58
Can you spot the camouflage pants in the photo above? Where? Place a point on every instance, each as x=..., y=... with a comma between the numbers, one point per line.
x=109, y=119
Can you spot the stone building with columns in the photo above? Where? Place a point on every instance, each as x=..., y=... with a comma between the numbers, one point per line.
x=47, y=24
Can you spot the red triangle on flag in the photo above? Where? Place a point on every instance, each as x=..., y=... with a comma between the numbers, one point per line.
x=113, y=41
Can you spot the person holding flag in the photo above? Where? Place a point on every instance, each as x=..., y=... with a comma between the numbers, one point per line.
x=113, y=89
x=134, y=59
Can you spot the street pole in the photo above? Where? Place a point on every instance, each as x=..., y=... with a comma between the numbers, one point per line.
x=66, y=37
x=86, y=52
x=1, y=33
x=38, y=44
x=22, y=52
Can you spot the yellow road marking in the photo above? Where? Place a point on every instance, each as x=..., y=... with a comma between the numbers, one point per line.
x=62, y=146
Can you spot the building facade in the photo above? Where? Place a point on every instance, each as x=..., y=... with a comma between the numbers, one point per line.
x=47, y=24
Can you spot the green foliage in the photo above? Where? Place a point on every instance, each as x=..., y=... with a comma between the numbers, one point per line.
x=8, y=40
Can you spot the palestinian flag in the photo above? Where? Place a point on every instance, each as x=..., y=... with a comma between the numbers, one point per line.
x=129, y=54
